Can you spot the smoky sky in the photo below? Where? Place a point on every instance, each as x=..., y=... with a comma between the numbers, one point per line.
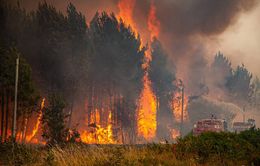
x=87, y=7
x=180, y=18
x=206, y=17
x=186, y=26
x=183, y=21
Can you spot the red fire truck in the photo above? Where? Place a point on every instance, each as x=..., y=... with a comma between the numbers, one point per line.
x=213, y=125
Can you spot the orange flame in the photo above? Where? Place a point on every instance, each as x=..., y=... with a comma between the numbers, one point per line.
x=177, y=107
x=146, y=113
x=175, y=133
x=153, y=22
x=96, y=133
x=31, y=137
x=126, y=8
x=146, y=120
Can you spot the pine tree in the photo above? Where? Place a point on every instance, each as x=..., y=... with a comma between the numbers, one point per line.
x=162, y=83
x=239, y=84
x=221, y=70
x=53, y=121
x=27, y=95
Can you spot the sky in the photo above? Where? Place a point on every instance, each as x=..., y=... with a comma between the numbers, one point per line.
x=238, y=38
x=241, y=42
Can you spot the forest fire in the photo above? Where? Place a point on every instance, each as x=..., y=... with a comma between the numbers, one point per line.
x=32, y=137
x=126, y=8
x=146, y=116
x=129, y=81
x=175, y=133
x=95, y=133
x=153, y=22
x=177, y=107
x=30, y=133
x=105, y=115
x=146, y=113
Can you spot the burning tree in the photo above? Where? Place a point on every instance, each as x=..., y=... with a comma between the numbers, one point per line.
x=162, y=83
x=115, y=75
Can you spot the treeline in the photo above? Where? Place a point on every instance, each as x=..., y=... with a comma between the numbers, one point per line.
x=235, y=85
x=27, y=94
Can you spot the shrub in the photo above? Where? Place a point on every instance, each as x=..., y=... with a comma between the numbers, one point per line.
x=224, y=147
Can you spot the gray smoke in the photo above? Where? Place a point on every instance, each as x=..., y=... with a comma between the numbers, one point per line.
x=186, y=25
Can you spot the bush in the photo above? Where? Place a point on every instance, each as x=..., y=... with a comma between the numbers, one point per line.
x=19, y=154
x=223, y=148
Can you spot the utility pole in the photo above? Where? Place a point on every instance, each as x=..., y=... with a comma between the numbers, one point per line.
x=15, y=98
x=182, y=108
x=244, y=118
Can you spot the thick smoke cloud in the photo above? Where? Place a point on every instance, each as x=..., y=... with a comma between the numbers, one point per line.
x=179, y=18
x=188, y=17
x=187, y=26
x=183, y=21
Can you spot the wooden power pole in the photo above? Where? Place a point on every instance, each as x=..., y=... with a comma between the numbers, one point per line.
x=15, y=98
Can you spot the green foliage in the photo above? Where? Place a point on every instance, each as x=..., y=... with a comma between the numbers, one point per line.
x=19, y=154
x=53, y=121
x=206, y=149
x=226, y=148
x=27, y=94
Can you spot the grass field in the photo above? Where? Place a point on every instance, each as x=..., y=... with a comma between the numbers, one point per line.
x=80, y=154
x=206, y=149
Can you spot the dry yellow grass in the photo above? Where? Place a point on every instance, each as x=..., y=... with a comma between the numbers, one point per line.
x=93, y=155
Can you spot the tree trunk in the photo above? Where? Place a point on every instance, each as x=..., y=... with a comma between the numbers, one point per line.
x=2, y=114
x=70, y=116
x=72, y=105
x=26, y=127
x=165, y=117
x=25, y=120
x=89, y=104
x=7, y=114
